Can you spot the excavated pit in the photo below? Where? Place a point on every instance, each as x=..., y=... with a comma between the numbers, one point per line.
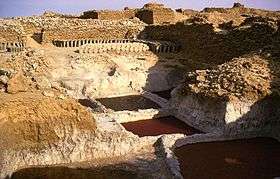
x=159, y=126
x=130, y=103
x=246, y=158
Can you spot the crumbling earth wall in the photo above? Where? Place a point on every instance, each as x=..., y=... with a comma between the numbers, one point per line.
x=97, y=33
x=201, y=41
x=156, y=15
x=9, y=35
x=46, y=29
x=11, y=40
x=109, y=15
x=243, y=11
x=100, y=30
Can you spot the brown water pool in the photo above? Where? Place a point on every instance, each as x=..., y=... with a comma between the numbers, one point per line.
x=164, y=94
x=238, y=159
x=163, y=125
x=87, y=103
x=131, y=103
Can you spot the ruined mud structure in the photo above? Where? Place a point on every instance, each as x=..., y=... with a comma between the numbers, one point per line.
x=141, y=93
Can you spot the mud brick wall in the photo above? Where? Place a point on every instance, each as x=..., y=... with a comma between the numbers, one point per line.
x=9, y=35
x=212, y=9
x=11, y=40
x=146, y=16
x=110, y=15
x=201, y=43
x=242, y=10
x=45, y=29
x=117, y=32
x=156, y=16
x=153, y=6
x=90, y=15
x=163, y=15
x=187, y=11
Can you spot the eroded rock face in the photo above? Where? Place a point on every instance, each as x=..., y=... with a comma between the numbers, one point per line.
x=232, y=117
x=237, y=97
x=33, y=124
x=36, y=130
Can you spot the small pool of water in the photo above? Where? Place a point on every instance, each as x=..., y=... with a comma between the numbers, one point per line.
x=164, y=94
x=159, y=126
x=131, y=103
x=247, y=158
x=87, y=103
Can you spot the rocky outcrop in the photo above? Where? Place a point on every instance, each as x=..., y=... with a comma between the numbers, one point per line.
x=234, y=117
x=239, y=97
x=250, y=77
x=18, y=83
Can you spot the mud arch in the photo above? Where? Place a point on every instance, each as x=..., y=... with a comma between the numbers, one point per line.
x=78, y=43
x=12, y=46
x=154, y=46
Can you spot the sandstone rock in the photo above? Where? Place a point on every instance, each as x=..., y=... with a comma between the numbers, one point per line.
x=48, y=93
x=43, y=83
x=55, y=85
x=18, y=83
x=4, y=79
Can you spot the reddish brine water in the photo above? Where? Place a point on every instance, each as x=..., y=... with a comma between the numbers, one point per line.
x=238, y=159
x=163, y=125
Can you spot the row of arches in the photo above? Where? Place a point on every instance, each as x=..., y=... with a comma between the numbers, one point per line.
x=164, y=48
x=154, y=47
x=12, y=46
x=78, y=43
x=118, y=47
